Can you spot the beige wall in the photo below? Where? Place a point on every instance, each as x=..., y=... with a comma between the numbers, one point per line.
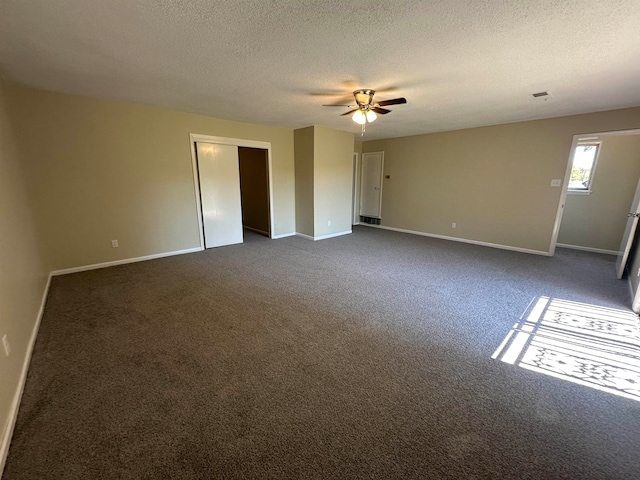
x=23, y=275
x=254, y=186
x=304, y=180
x=333, y=181
x=324, y=176
x=103, y=170
x=494, y=182
x=598, y=220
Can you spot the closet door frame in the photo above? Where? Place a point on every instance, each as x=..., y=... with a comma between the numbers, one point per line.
x=238, y=142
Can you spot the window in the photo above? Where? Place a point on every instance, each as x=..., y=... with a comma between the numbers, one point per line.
x=584, y=163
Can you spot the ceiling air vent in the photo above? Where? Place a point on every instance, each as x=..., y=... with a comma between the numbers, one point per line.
x=541, y=96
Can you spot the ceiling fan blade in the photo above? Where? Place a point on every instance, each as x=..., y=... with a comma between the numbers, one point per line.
x=393, y=101
x=381, y=111
x=350, y=111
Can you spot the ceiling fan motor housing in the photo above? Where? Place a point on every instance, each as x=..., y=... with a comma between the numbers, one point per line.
x=364, y=97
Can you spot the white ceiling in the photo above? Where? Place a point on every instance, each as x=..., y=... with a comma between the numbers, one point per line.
x=459, y=63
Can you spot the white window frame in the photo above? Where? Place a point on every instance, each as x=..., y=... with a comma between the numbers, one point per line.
x=585, y=191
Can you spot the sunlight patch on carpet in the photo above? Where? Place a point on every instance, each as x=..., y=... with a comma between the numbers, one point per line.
x=593, y=346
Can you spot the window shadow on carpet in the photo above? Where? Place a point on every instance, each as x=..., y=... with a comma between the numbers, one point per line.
x=593, y=346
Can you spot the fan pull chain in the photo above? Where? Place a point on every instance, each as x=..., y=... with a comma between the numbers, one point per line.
x=363, y=129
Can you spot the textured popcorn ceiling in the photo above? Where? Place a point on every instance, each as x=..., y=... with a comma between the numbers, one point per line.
x=459, y=63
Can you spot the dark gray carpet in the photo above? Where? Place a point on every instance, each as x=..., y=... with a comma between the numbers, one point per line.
x=363, y=356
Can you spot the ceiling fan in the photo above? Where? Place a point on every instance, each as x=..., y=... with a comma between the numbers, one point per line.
x=366, y=110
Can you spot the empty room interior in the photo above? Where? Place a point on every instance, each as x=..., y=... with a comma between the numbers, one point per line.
x=304, y=239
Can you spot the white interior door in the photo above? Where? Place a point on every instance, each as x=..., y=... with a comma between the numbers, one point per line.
x=371, y=184
x=629, y=231
x=355, y=219
x=219, y=175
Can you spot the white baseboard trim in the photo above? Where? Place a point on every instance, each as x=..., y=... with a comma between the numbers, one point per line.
x=306, y=237
x=587, y=249
x=331, y=235
x=95, y=266
x=284, y=235
x=323, y=237
x=17, y=398
x=462, y=240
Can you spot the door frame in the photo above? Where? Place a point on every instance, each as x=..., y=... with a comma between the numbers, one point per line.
x=238, y=142
x=581, y=137
x=628, y=236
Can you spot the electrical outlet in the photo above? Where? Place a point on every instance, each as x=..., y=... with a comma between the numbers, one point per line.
x=454, y=225
x=114, y=243
x=328, y=223
x=7, y=347
x=556, y=182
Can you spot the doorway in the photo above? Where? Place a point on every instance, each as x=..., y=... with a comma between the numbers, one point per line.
x=607, y=201
x=371, y=185
x=593, y=217
x=254, y=189
x=355, y=191
x=222, y=209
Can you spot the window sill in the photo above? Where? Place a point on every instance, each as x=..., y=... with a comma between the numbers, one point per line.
x=579, y=192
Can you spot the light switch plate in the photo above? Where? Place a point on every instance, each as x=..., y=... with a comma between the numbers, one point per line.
x=556, y=182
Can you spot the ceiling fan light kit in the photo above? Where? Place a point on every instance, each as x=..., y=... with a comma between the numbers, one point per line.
x=366, y=111
x=371, y=116
x=359, y=117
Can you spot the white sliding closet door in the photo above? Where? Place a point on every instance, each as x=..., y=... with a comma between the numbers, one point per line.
x=219, y=176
